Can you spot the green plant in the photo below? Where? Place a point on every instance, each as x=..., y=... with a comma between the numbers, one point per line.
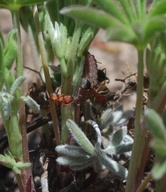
x=65, y=29
x=110, y=142
x=129, y=21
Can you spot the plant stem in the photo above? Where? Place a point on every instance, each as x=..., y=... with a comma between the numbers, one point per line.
x=47, y=75
x=68, y=111
x=25, y=181
x=141, y=188
x=133, y=179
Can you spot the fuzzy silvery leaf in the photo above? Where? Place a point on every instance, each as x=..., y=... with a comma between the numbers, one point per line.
x=112, y=165
x=117, y=115
x=71, y=150
x=73, y=161
x=118, y=149
x=80, y=137
x=125, y=117
x=17, y=83
x=98, y=166
x=31, y=103
x=96, y=128
x=106, y=118
x=118, y=135
x=81, y=167
x=6, y=100
x=112, y=117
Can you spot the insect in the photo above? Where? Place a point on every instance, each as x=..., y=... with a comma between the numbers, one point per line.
x=85, y=93
x=65, y=99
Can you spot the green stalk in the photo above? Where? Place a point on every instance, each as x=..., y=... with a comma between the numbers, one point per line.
x=14, y=136
x=68, y=111
x=47, y=75
x=145, y=182
x=133, y=179
x=18, y=126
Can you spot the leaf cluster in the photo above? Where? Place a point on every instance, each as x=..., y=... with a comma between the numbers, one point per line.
x=123, y=20
x=100, y=154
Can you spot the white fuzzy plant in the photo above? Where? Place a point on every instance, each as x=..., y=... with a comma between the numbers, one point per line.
x=85, y=154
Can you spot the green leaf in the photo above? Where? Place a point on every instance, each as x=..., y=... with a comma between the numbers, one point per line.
x=154, y=25
x=129, y=9
x=16, y=4
x=87, y=36
x=6, y=100
x=74, y=161
x=9, y=161
x=96, y=128
x=17, y=83
x=31, y=103
x=71, y=150
x=106, y=118
x=159, y=170
x=80, y=137
x=1, y=64
x=117, y=115
x=155, y=124
x=121, y=33
x=9, y=79
x=119, y=149
x=159, y=146
x=10, y=51
x=91, y=16
x=157, y=8
x=118, y=135
x=112, y=165
x=113, y=8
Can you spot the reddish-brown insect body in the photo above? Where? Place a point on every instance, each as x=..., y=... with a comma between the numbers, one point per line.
x=67, y=99
x=61, y=98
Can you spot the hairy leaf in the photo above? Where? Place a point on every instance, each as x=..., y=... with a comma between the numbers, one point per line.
x=73, y=161
x=112, y=165
x=80, y=137
x=155, y=124
x=17, y=83
x=118, y=135
x=10, y=51
x=71, y=150
x=106, y=118
x=114, y=9
x=96, y=127
x=31, y=103
x=91, y=16
x=119, y=149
